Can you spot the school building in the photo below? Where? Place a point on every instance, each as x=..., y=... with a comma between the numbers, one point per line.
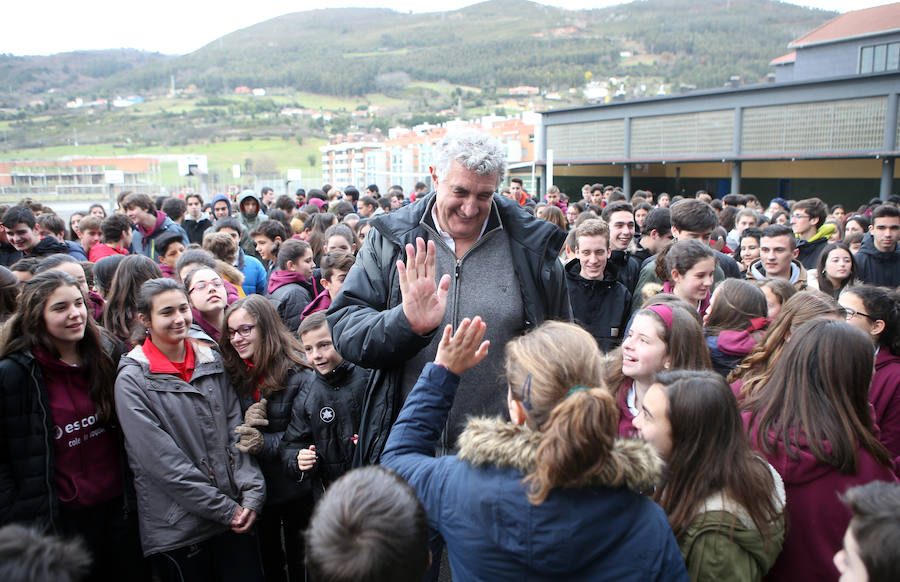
x=831, y=130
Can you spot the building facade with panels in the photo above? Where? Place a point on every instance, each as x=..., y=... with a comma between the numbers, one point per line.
x=836, y=138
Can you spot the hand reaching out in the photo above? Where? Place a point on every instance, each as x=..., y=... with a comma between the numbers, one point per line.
x=424, y=301
x=464, y=349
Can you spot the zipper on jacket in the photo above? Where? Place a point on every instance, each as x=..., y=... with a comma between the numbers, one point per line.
x=47, y=467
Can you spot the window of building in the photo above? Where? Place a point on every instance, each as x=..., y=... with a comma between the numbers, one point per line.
x=879, y=58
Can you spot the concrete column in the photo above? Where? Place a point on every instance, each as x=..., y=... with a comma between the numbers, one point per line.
x=626, y=180
x=887, y=178
x=735, y=177
x=890, y=144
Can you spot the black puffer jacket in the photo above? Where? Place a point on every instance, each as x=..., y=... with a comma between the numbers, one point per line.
x=27, y=490
x=878, y=267
x=626, y=267
x=326, y=414
x=366, y=318
x=279, y=487
x=600, y=307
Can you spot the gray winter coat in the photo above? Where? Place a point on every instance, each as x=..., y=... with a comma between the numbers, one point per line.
x=190, y=478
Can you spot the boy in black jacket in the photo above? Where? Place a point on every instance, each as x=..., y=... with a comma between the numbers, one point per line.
x=600, y=303
x=321, y=438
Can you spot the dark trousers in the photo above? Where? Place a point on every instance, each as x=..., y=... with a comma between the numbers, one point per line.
x=281, y=539
x=227, y=557
x=111, y=537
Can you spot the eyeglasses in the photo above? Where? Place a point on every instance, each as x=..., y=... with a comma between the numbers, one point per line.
x=799, y=216
x=216, y=283
x=242, y=331
x=851, y=313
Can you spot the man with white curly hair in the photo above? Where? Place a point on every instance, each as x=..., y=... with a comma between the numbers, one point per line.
x=460, y=251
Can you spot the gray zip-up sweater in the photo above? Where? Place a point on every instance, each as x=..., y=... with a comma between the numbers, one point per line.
x=189, y=477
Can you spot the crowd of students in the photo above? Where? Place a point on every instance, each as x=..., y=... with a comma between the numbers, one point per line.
x=726, y=404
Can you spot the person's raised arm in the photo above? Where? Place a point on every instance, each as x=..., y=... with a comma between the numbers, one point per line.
x=424, y=300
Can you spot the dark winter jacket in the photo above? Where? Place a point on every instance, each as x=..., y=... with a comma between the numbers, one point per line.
x=47, y=246
x=816, y=516
x=367, y=320
x=289, y=294
x=27, y=490
x=478, y=503
x=279, y=487
x=9, y=254
x=885, y=398
x=326, y=414
x=626, y=267
x=190, y=478
x=876, y=267
x=196, y=228
x=601, y=307
x=808, y=252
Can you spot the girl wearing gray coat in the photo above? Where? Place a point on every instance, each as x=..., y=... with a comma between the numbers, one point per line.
x=198, y=495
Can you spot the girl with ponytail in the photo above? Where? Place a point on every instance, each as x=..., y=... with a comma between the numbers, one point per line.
x=551, y=494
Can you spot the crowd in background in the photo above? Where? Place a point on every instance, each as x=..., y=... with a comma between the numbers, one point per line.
x=171, y=394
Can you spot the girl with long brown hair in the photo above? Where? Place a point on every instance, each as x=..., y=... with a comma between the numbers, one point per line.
x=550, y=495
x=61, y=455
x=664, y=336
x=876, y=311
x=724, y=502
x=757, y=367
x=812, y=420
x=267, y=367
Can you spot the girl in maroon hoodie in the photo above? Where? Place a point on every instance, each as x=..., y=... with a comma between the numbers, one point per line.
x=61, y=461
x=812, y=421
x=876, y=311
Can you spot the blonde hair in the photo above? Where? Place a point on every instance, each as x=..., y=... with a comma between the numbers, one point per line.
x=556, y=373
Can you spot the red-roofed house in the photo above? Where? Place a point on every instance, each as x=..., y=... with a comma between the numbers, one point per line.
x=856, y=43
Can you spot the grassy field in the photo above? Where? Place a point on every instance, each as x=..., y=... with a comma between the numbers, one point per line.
x=280, y=154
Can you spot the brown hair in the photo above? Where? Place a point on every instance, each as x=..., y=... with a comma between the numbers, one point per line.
x=684, y=341
x=823, y=280
x=591, y=227
x=781, y=288
x=737, y=302
x=681, y=256
x=221, y=245
x=27, y=329
x=757, y=366
x=710, y=453
x=120, y=312
x=277, y=353
x=578, y=429
x=553, y=215
x=819, y=392
x=336, y=261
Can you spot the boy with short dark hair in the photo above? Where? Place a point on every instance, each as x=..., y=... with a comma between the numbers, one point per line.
x=20, y=224
x=116, y=232
x=878, y=259
x=90, y=233
x=268, y=237
x=873, y=536
x=321, y=439
x=369, y=527
x=808, y=224
x=335, y=266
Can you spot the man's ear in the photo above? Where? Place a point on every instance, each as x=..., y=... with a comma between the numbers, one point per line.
x=674, y=233
x=796, y=253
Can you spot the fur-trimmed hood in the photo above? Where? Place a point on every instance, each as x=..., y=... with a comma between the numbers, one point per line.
x=493, y=442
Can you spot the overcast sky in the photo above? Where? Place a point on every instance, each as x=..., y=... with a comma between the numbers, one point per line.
x=33, y=27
